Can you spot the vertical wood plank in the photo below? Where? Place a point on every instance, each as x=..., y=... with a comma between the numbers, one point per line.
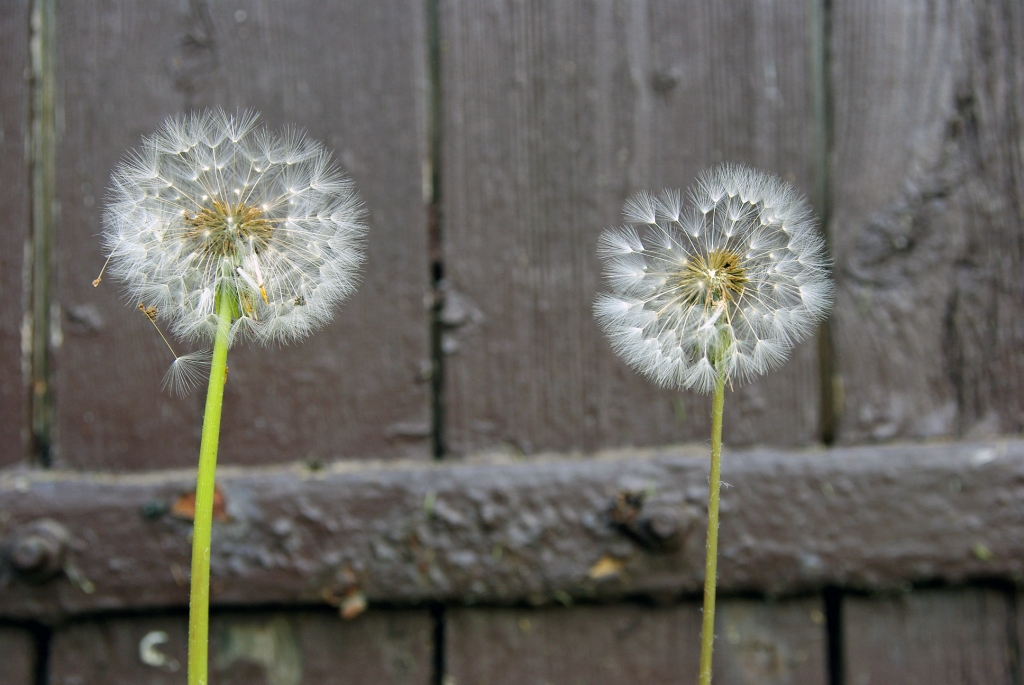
x=352, y=75
x=594, y=645
x=942, y=637
x=19, y=656
x=249, y=649
x=15, y=207
x=553, y=113
x=929, y=214
x=1018, y=636
x=775, y=643
x=757, y=643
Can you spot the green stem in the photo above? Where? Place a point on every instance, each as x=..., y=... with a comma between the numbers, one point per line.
x=199, y=598
x=707, y=633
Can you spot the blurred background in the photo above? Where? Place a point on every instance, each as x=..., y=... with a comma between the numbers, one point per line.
x=492, y=141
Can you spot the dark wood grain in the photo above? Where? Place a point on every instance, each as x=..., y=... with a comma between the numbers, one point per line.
x=553, y=113
x=19, y=656
x=15, y=207
x=929, y=214
x=301, y=648
x=766, y=644
x=942, y=637
x=504, y=533
x=352, y=75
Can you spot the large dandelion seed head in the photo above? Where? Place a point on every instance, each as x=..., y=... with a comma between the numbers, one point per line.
x=725, y=286
x=213, y=203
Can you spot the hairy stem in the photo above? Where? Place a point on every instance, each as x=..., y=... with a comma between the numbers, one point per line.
x=707, y=632
x=199, y=598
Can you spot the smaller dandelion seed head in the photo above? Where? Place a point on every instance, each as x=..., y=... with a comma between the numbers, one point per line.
x=724, y=287
x=214, y=203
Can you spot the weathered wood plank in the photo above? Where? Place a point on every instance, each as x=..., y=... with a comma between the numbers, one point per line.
x=870, y=517
x=249, y=649
x=352, y=75
x=947, y=637
x=929, y=214
x=19, y=656
x=595, y=645
x=776, y=643
x=762, y=643
x=15, y=206
x=553, y=113
x=1019, y=605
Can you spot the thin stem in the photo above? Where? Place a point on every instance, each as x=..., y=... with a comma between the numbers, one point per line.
x=152, y=320
x=199, y=598
x=707, y=632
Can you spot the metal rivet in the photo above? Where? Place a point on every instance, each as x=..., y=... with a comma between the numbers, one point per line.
x=663, y=524
x=39, y=549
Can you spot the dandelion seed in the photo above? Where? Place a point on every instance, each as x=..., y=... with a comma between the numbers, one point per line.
x=186, y=373
x=99, y=277
x=728, y=286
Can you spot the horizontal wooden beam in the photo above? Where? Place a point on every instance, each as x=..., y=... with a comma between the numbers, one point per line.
x=622, y=523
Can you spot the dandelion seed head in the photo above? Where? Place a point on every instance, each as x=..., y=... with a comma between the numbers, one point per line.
x=726, y=286
x=213, y=202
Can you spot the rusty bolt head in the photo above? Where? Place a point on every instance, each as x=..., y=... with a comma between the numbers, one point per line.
x=657, y=526
x=39, y=550
x=663, y=524
x=665, y=528
x=31, y=553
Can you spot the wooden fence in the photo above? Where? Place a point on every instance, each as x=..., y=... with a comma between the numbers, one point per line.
x=450, y=448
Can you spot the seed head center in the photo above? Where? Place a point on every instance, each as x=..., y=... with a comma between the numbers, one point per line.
x=713, y=279
x=224, y=229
